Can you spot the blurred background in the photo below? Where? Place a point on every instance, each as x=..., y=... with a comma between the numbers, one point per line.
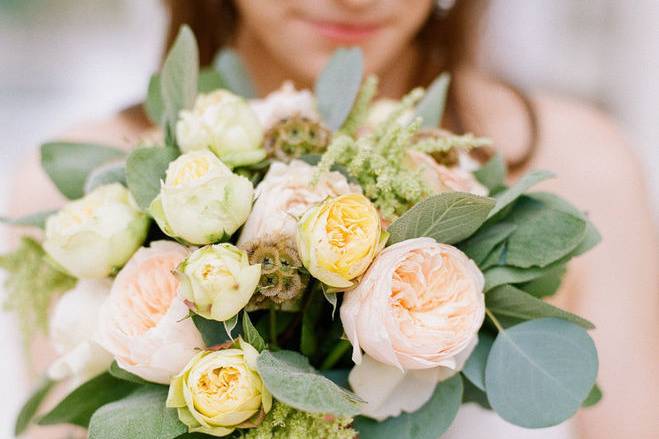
x=67, y=61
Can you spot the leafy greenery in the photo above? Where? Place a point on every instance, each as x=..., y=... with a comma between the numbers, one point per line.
x=593, y=397
x=251, y=334
x=234, y=74
x=359, y=111
x=474, y=368
x=506, y=197
x=140, y=415
x=32, y=405
x=79, y=406
x=113, y=172
x=431, y=107
x=31, y=284
x=69, y=164
x=448, y=217
x=145, y=168
x=35, y=219
x=291, y=380
x=429, y=422
x=337, y=86
x=493, y=173
x=540, y=372
x=480, y=245
x=122, y=374
x=212, y=332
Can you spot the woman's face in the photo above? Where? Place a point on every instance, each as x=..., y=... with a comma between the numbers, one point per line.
x=302, y=34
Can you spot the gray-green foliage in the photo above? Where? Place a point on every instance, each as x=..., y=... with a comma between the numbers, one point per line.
x=493, y=173
x=234, y=75
x=474, y=368
x=145, y=168
x=113, y=172
x=506, y=197
x=30, y=286
x=448, y=218
x=338, y=85
x=431, y=107
x=540, y=372
x=291, y=380
x=37, y=219
x=68, y=164
x=429, y=422
x=251, y=334
x=140, y=415
x=31, y=406
x=123, y=374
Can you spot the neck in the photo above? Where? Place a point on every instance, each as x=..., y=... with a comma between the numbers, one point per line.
x=268, y=73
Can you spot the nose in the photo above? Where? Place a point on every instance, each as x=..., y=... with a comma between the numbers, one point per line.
x=357, y=4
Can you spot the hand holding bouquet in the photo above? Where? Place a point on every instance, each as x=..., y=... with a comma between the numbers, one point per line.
x=306, y=265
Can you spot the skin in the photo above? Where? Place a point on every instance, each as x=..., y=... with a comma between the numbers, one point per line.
x=615, y=285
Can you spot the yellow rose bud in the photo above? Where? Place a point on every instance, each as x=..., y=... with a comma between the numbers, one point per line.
x=219, y=391
x=338, y=239
x=217, y=281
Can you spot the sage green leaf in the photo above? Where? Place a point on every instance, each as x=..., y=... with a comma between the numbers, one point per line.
x=594, y=396
x=432, y=105
x=209, y=80
x=123, y=374
x=251, y=334
x=501, y=275
x=291, y=380
x=547, y=284
x=539, y=372
x=235, y=76
x=178, y=78
x=79, y=406
x=37, y=219
x=591, y=238
x=506, y=197
x=338, y=85
x=483, y=242
x=212, y=332
x=511, y=302
x=113, y=172
x=473, y=394
x=140, y=415
x=496, y=257
x=448, y=218
x=32, y=405
x=310, y=316
x=429, y=422
x=153, y=106
x=69, y=164
x=474, y=368
x=145, y=168
x=493, y=173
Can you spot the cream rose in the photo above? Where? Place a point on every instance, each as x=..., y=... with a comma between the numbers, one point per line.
x=443, y=179
x=284, y=103
x=284, y=195
x=418, y=306
x=73, y=324
x=143, y=322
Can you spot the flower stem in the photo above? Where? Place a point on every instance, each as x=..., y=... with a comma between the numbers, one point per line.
x=494, y=320
x=273, y=328
x=335, y=355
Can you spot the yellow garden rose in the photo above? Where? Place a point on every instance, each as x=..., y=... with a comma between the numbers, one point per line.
x=219, y=391
x=338, y=239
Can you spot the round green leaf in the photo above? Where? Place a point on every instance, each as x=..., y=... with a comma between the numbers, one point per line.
x=474, y=368
x=539, y=372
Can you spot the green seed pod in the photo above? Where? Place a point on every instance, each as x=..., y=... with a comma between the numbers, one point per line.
x=294, y=137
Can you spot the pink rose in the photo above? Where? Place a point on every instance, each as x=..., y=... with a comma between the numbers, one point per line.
x=143, y=322
x=443, y=179
x=418, y=306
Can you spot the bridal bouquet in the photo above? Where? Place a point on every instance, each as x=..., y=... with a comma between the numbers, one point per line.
x=307, y=265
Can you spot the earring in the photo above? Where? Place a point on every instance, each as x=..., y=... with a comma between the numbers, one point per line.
x=442, y=7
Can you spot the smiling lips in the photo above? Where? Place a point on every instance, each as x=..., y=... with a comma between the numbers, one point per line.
x=344, y=33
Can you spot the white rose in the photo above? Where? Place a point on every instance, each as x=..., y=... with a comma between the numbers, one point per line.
x=201, y=201
x=284, y=103
x=143, y=322
x=285, y=194
x=94, y=236
x=73, y=327
x=225, y=124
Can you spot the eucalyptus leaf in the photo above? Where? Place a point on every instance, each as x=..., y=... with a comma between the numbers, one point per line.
x=540, y=372
x=473, y=394
x=69, y=164
x=123, y=374
x=212, y=332
x=37, y=219
x=178, y=78
x=79, y=406
x=145, y=168
x=594, y=396
x=251, y=334
x=429, y=422
x=506, y=197
x=234, y=75
x=310, y=316
x=338, y=85
x=140, y=415
x=209, y=80
x=501, y=275
x=547, y=284
x=483, y=242
x=474, y=368
x=492, y=174
x=32, y=405
x=291, y=380
x=432, y=105
x=113, y=172
x=153, y=106
x=514, y=303
x=448, y=218
x=496, y=257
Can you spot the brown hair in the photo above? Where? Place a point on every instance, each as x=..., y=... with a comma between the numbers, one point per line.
x=448, y=39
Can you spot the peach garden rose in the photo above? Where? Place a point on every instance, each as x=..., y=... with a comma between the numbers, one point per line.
x=143, y=322
x=441, y=178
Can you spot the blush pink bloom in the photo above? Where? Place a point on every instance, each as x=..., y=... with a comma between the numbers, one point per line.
x=418, y=306
x=143, y=322
x=443, y=179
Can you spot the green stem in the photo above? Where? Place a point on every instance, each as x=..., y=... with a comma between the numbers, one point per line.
x=273, y=328
x=336, y=354
x=494, y=320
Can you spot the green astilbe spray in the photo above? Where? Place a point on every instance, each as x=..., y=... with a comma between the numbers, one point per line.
x=360, y=109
